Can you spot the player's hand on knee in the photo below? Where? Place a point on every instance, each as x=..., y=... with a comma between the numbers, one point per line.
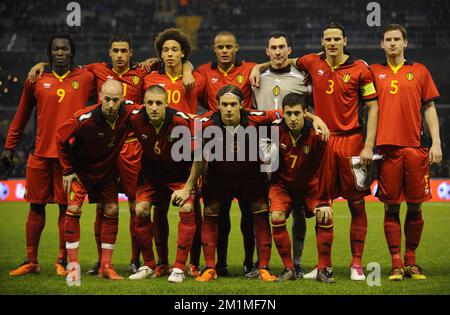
x=324, y=215
x=68, y=180
x=180, y=196
x=435, y=154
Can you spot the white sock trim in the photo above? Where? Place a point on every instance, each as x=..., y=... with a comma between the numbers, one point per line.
x=72, y=245
x=107, y=246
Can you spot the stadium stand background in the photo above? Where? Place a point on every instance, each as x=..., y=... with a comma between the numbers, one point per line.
x=25, y=28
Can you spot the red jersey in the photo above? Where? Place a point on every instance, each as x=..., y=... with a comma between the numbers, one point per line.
x=132, y=79
x=216, y=78
x=299, y=158
x=178, y=98
x=402, y=91
x=89, y=145
x=56, y=100
x=337, y=91
x=234, y=168
x=157, y=161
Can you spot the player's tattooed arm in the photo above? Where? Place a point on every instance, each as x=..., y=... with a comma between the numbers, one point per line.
x=432, y=121
x=180, y=196
x=37, y=71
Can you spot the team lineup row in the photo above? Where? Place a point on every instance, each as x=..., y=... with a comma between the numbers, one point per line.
x=81, y=152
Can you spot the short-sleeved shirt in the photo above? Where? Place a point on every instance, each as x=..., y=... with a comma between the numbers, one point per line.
x=216, y=78
x=402, y=92
x=57, y=99
x=337, y=91
x=275, y=84
x=132, y=79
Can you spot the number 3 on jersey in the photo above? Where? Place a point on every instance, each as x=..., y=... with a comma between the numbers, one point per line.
x=61, y=93
x=330, y=89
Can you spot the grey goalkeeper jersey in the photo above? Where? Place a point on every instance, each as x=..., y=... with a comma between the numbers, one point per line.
x=274, y=86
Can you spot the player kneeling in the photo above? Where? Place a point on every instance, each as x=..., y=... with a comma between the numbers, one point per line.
x=160, y=176
x=296, y=181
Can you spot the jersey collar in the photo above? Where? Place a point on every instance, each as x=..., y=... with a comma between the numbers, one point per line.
x=350, y=60
x=286, y=69
x=215, y=65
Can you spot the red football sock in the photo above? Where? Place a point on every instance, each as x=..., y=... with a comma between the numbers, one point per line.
x=186, y=231
x=324, y=234
x=161, y=232
x=144, y=234
x=135, y=252
x=209, y=240
x=62, y=253
x=358, y=230
x=110, y=227
x=393, y=233
x=197, y=242
x=263, y=238
x=72, y=235
x=34, y=227
x=98, y=230
x=283, y=242
x=413, y=231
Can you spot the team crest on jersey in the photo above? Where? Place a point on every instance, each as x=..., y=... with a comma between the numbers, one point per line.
x=75, y=84
x=240, y=78
x=346, y=78
x=276, y=90
x=72, y=195
x=135, y=79
x=410, y=76
x=306, y=149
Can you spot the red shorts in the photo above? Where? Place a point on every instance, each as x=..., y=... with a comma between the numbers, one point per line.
x=282, y=197
x=218, y=191
x=337, y=166
x=404, y=175
x=129, y=163
x=44, y=181
x=158, y=192
x=106, y=193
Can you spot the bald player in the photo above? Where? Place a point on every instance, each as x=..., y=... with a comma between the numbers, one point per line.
x=88, y=148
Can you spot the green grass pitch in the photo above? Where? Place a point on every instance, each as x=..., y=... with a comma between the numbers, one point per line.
x=433, y=256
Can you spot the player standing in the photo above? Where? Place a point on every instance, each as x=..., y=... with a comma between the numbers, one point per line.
x=276, y=82
x=174, y=48
x=56, y=96
x=339, y=83
x=405, y=89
